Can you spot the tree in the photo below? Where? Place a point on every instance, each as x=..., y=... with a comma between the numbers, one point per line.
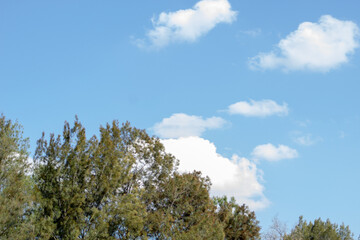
x=319, y=230
x=98, y=188
x=15, y=191
x=123, y=185
x=277, y=230
x=184, y=210
x=239, y=222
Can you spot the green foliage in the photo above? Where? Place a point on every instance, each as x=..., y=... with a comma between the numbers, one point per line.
x=319, y=230
x=238, y=221
x=90, y=189
x=15, y=191
x=184, y=210
x=119, y=185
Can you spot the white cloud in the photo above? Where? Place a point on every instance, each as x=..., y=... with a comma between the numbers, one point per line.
x=30, y=161
x=253, y=32
x=271, y=153
x=236, y=177
x=183, y=125
x=305, y=139
x=189, y=24
x=342, y=134
x=304, y=123
x=261, y=108
x=314, y=46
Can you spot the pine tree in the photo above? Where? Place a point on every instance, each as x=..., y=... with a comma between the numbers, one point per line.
x=239, y=223
x=319, y=230
x=98, y=188
x=15, y=189
x=184, y=210
x=123, y=185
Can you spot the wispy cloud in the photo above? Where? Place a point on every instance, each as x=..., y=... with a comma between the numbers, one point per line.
x=238, y=177
x=303, y=123
x=189, y=24
x=272, y=153
x=183, y=125
x=342, y=134
x=253, y=32
x=261, y=108
x=305, y=139
x=313, y=46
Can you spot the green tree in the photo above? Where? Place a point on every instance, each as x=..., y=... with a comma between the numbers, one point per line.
x=239, y=223
x=98, y=188
x=123, y=185
x=319, y=230
x=184, y=210
x=15, y=191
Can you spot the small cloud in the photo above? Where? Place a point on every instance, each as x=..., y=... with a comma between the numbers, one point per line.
x=305, y=139
x=261, y=108
x=271, y=153
x=188, y=25
x=313, y=46
x=238, y=177
x=253, y=32
x=304, y=123
x=183, y=125
x=342, y=134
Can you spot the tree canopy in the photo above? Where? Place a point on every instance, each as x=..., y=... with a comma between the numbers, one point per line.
x=122, y=185
x=15, y=196
x=119, y=184
x=303, y=230
x=319, y=230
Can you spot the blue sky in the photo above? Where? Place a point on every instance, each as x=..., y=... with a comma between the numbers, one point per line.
x=261, y=96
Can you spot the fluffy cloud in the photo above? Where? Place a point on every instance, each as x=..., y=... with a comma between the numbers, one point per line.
x=236, y=177
x=261, y=108
x=183, y=125
x=271, y=153
x=314, y=46
x=189, y=24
